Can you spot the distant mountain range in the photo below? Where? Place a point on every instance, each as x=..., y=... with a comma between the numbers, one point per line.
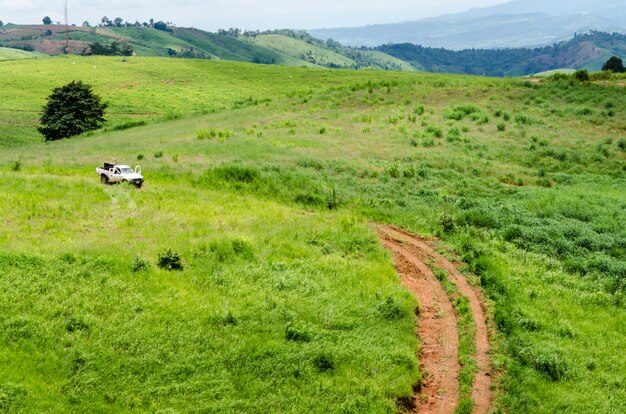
x=519, y=23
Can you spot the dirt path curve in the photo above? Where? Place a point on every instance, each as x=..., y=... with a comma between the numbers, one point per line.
x=440, y=363
x=437, y=331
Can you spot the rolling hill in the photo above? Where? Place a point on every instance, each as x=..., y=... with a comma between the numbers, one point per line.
x=290, y=50
x=15, y=54
x=296, y=48
x=519, y=23
x=286, y=301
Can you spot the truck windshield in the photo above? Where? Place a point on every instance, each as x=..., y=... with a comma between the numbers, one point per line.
x=126, y=170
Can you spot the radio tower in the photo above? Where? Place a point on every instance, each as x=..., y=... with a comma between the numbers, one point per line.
x=67, y=32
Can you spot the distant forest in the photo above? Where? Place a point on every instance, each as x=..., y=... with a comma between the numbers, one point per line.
x=507, y=62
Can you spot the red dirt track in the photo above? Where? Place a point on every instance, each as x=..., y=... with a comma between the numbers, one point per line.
x=437, y=326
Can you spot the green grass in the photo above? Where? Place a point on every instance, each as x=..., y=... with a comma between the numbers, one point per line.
x=90, y=334
x=15, y=54
x=270, y=223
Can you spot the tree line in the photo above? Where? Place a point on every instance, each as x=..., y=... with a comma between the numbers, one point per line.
x=117, y=48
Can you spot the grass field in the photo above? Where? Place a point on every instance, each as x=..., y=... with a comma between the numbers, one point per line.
x=14, y=54
x=286, y=302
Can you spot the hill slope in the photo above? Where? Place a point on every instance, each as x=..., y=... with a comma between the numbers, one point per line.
x=518, y=23
x=14, y=54
x=589, y=51
x=286, y=302
x=193, y=43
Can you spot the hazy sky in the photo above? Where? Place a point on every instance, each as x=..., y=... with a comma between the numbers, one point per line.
x=246, y=14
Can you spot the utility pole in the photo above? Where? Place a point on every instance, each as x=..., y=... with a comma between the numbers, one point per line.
x=67, y=32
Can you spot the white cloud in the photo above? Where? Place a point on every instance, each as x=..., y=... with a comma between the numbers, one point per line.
x=249, y=14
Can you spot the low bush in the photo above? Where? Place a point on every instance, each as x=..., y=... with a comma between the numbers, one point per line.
x=296, y=334
x=324, y=362
x=581, y=75
x=212, y=133
x=237, y=173
x=140, y=265
x=170, y=260
x=391, y=309
x=435, y=131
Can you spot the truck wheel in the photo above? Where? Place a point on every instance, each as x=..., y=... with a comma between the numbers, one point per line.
x=104, y=179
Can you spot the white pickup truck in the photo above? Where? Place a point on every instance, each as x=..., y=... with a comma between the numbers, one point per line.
x=116, y=173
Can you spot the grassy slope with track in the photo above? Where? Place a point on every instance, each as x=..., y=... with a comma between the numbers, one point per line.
x=525, y=180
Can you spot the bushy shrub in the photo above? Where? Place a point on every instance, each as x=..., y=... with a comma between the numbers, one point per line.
x=332, y=199
x=237, y=173
x=458, y=112
x=212, y=133
x=170, y=260
x=295, y=334
x=393, y=171
x=581, y=75
x=435, y=131
x=454, y=135
x=446, y=221
x=140, y=265
x=391, y=309
x=428, y=141
x=75, y=324
x=324, y=362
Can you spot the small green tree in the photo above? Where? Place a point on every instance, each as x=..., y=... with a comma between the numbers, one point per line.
x=46, y=20
x=614, y=64
x=71, y=110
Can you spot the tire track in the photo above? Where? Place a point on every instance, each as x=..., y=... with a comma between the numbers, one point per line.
x=437, y=330
x=411, y=253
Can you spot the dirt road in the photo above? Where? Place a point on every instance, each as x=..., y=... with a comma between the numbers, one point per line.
x=437, y=325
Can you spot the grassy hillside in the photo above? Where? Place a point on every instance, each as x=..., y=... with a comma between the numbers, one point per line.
x=145, y=89
x=194, y=43
x=14, y=54
x=286, y=302
x=307, y=52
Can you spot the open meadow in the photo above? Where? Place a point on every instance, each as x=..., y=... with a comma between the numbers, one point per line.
x=267, y=181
